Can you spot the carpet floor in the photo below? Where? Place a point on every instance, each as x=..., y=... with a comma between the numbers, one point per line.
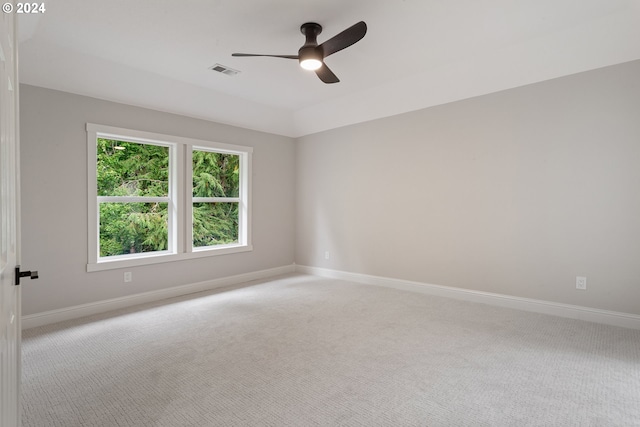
x=304, y=351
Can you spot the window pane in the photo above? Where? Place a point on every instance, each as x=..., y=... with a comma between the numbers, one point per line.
x=128, y=228
x=215, y=224
x=130, y=169
x=216, y=174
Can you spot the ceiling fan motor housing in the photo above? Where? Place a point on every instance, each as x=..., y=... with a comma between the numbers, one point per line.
x=310, y=49
x=310, y=52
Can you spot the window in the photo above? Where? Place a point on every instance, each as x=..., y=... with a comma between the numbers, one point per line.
x=156, y=198
x=133, y=197
x=215, y=197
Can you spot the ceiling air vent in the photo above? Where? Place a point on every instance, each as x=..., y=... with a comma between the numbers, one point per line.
x=224, y=70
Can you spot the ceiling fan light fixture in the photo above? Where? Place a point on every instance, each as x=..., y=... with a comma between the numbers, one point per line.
x=310, y=63
x=310, y=57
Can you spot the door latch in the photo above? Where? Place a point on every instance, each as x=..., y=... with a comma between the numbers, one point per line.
x=31, y=274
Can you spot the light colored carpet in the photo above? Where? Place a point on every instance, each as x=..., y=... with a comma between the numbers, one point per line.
x=304, y=351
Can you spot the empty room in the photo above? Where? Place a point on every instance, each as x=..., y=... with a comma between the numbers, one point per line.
x=320, y=213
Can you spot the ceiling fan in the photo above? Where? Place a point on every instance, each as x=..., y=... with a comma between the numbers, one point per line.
x=311, y=55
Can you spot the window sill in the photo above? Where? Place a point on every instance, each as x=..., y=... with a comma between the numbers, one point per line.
x=159, y=258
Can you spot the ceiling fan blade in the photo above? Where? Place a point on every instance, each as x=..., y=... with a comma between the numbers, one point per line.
x=326, y=75
x=345, y=39
x=272, y=56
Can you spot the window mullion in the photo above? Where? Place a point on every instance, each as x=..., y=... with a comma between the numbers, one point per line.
x=176, y=166
x=188, y=199
x=92, y=192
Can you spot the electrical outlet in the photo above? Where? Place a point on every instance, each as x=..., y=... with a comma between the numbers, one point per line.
x=326, y=255
x=581, y=283
x=128, y=277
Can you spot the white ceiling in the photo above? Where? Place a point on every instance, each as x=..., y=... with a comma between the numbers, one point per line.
x=416, y=54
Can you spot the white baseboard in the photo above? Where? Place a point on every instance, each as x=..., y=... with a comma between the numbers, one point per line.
x=54, y=316
x=614, y=318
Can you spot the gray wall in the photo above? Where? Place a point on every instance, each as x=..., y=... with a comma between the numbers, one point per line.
x=54, y=200
x=516, y=192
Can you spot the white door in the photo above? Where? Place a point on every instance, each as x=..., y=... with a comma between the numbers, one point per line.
x=9, y=238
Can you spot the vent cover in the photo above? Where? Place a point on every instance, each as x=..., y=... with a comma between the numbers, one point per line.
x=224, y=70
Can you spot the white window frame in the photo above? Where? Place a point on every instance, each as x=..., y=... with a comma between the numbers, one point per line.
x=180, y=200
x=243, y=208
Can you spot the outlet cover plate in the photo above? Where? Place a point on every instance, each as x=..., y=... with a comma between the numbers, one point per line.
x=581, y=283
